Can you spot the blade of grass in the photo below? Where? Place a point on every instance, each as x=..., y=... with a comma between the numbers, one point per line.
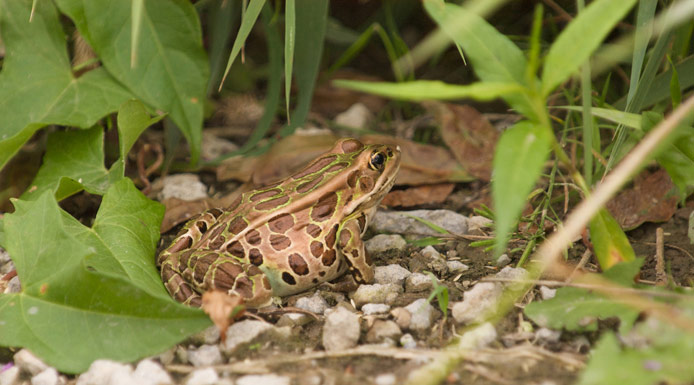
x=222, y=18
x=311, y=19
x=248, y=21
x=289, y=41
x=135, y=27
x=432, y=89
x=587, y=104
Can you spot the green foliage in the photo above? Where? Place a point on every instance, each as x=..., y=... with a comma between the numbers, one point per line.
x=518, y=162
x=37, y=86
x=655, y=352
x=441, y=293
x=74, y=160
x=579, y=309
x=94, y=285
x=609, y=241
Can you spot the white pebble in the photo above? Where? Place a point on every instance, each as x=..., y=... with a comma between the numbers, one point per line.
x=503, y=260
x=341, y=330
x=206, y=355
x=107, y=372
x=262, y=379
x=149, y=372
x=407, y=341
x=206, y=376
x=47, y=377
x=384, y=242
x=375, y=308
x=547, y=293
x=28, y=362
x=390, y=274
x=385, y=379
x=422, y=314
x=9, y=376
x=315, y=304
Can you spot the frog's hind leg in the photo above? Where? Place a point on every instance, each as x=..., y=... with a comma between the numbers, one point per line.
x=224, y=272
x=178, y=287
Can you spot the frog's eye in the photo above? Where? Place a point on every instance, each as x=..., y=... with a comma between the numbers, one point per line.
x=378, y=159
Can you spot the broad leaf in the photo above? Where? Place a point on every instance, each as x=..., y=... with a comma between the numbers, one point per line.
x=520, y=155
x=98, y=314
x=579, y=39
x=37, y=86
x=609, y=241
x=493, y=56
x=171, y=70
x=432, y=89
x=579, y=309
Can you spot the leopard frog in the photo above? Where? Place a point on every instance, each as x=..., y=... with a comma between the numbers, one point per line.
x=287, y=237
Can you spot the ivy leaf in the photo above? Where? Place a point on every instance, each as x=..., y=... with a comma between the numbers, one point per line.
x=171, y=71
x=578, y=309
x=37, y=86
x=73, y=308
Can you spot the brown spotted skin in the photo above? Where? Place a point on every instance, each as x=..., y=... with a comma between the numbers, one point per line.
x=288, y=237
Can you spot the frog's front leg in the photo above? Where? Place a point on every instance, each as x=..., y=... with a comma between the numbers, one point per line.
x=352, y=249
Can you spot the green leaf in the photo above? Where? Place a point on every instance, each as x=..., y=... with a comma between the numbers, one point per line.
x=247, y=22
x=289, y=42
x=74, y=161
x=494, y=58
x=133, y=119
x=579, y=309
x=64, y=301
x=675, y=91
x=579, y=39
x=663, y=357
x=432, y=89
x=311, y=19
x=37, y=86
x=426, y=241
x=609, y=241
x=222, y=19
x=625, y=118
x=124, y=240
x=520, y=156
x=172, y=69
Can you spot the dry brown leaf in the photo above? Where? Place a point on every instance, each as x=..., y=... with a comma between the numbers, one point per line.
x=652, y=198
x=179, y=211
x=468, y=134
x=422, y=163
x=223, y=309
x=419, y=195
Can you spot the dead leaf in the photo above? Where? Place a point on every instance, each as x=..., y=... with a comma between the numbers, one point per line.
x=419, y=195
x=652, y=198
x=223, y=309
x=468, y=134
x=422, y=163
x=179, y=211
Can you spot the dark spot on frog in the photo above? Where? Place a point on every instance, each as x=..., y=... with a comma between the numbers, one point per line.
x=325, y=207
x=265, y=194
x=351, y=145
x=316, y=249
x=280, y=242
x=272, y=203
x=281, y=223
x=202, y=226
x=313, y=230
x=330, y=238
x=316, y=166
x=237, y=225
x=255, y=256
x=253, y=237
x=328, y=257
x=236, y=249
x=288, y=278
x=298, y=264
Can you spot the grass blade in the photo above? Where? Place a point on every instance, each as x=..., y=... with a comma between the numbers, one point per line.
x=289, y=41
x=247, y=23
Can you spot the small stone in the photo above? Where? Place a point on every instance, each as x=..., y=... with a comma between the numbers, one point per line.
x=48, y=376
x=168, y=356
x=511, y=273
x=477, y=223
x=376, y=293
x=422, y=314
x=452, y=254
x=9, y=376
x=28, y=362
x=182, y=186
x=479, y=337
x=401, y=222
x=547, y=335
x=503, y=260
x=547, y=293
x=356, y=116
x=383, y=330
x=262, y=379
x=206, y=376
x=430, y=252
x=341, y=330
x=149, y=372
x=244, y=332
x=315, y=304
x=375, y=308
x=206, y=355
x=477, y=303
x=293, y=319
x=455, y=267
x=385, y=379
x=14, y=286
x=384, y=242
x=213, y=146
x=390, y=274
x=402, y=317
x=107, y=372
x=418, y=282
x=408, y=342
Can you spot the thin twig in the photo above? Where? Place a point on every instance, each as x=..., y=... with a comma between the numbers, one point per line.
x=660, y=276
x=584, y=259
x=613, y=289
x=688, y=254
